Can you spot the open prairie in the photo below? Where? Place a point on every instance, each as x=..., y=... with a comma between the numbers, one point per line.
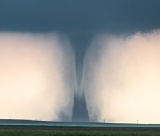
x=42, y=128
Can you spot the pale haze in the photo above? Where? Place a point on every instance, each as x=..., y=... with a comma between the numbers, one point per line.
x=123, y=82
x=32, y=77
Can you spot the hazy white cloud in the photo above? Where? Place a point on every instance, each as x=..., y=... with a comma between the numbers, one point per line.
x=33, y=73
x=122, y=78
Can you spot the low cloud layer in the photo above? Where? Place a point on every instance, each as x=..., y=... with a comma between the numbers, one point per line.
x=121, y=78
x=34, y=69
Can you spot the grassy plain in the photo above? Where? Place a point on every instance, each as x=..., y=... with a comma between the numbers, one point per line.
x=76, y=133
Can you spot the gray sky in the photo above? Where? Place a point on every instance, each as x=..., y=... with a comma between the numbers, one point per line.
x=80, y=19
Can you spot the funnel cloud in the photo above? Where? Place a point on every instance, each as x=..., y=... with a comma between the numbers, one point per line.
x=120, y=79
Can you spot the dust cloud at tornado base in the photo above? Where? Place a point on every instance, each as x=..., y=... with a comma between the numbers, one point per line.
x=121, y=78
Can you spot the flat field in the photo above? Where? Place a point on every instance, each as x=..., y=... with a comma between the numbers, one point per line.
x=76, y=133
x=43, y=128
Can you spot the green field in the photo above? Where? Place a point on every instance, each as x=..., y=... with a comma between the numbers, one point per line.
x=43, y=128
x=75, y=133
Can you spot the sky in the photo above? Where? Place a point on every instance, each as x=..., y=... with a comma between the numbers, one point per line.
x=79, y=22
